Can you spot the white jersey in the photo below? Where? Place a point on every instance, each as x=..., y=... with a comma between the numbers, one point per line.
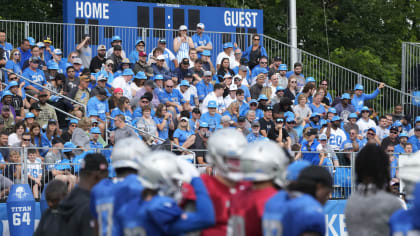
x=219, y=100
x=222, y=55
x=382, y=133
x=189, y=94
x=365, y=125
x=34, y=168
x=228, y=100
x=336, y=138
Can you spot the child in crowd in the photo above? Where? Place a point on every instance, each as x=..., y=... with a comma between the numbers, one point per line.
x=34, y=172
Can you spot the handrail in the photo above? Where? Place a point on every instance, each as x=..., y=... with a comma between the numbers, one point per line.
x=156, y=137
x=44, y=87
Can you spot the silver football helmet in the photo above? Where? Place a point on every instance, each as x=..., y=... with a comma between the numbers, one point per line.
x=409, y=173
x=264, y=160
x=225, y=148
x=161, y=171
x=128, y=152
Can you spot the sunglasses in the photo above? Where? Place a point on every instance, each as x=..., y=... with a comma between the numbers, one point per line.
x=390, y=150
x=324, y=84
x=293, y=82
x=253, y=104
x=169, y=86
x=110, y=65
x=12, y=78
x=370, y=133
x=365, y=111
x=394, y=132
x=26, y=140
x=263, y=62
x=183, y=121
x=73, y=125
x=161, y=60
x=73, y=57
x=293, y=122
x=141, y=45
x=16, y=54
x=257, y=39
x=143, y=102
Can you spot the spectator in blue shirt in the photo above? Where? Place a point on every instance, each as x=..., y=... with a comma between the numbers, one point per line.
x=95, y=132
x=255, y=134
x=171, y=97
x=201, y=41
x=204, y=87
x=163, y=120
x=99, y=105
x=359, y=97
x=160, y=69
x=7, y=47
x=211, y=117
x=237, y=79
x=183, y=135
x=35, y=75
x=415, y=139
x=134, y=55
x=25, y=50
x=254, y=52
x=49, y=49
x=262, y=67
x=310, y=145
x=123, y=108
x=13, y=62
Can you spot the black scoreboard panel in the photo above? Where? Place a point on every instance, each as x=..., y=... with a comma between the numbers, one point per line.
x=159, y=18
x=178, y=16
x=93, y=31
x=143, y=19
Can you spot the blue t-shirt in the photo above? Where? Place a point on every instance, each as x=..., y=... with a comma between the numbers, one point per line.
x=274, y=211
x=35, y=76
x=8, y=47
x=311, y=157
x=305, y=214
x=175, y=97
x=127, y=114
x=203, y=89
x=182, y=135
x=97, y=106
x=202, y=40
x=320, y=109
x=107, y=196
x=213, y=121
x=47, y=55
x=11, y=65
x=251, y=137
x=164, y=134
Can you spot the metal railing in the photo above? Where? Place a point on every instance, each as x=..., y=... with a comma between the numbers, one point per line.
x=46, y=88
x=410, y=72
x=66, y=36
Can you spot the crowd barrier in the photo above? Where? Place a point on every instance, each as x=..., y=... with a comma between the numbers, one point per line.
x=340, y=79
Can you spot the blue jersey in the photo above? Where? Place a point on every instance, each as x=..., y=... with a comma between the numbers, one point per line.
x=400, y=223
x=34, y=76
x=305, y=214
x=274, y=210
x=251, y=137
x=127, y=114
x=202, y=40
x=95, y=105
x=182, y=135
x=311, y=157
x=203, y=90
x=213, y=121
x=108, y=195
x=164, y=133
x=162, y=216
x=359, y=101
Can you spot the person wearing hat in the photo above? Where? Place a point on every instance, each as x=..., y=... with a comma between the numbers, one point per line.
x=124, y=64
x=80, y=92
x=142, y=65
x=309, y=145
x=123, y=82
x=204, y=87
x=115, y=41
x=253, y=105
x=255, y=134
x=392, y=139
x=255, y=52
x=134, y=54
x=171, y=97
x=52, y=70
x=226, y=53
x=189, y=92
x=7, y=100
x=47, y=112
x=371, y=137
x=170, y=59
x=78, y=68
x=344, y=107
x=183, y=135
x=227, y=81
x=95, y=133
x=261, y=67
x=278, y=95
x=266, y=122
x=256, y=89
x=182, y=70
x=66, y=136
x=200, y=143
x=159, y=67
x=85, y=51
x=201, y=41
x=99, y=105
x=13, y=63
x=99, y=60
x=182, y=43
x=278, y=133
x=400, y=148
x=241, y=83
x=328, y=158
x=352, y=123
x=49, y=49
x=360, y=97
x=364, y=123
x=211, y=116
x=415, y=138
x=217, y=96
x=231, y=97
x=335, y=134
x=207, y=63
x=116, y=57
x=34, y=74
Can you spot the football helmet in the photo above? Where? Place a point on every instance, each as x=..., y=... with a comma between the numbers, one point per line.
x=225, y=148
x=128, y=152
x=264, y=160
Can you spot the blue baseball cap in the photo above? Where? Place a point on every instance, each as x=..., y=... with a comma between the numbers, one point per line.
x=345, y=96
x=227, y=45
x=373, y=129
x=290, y=119
x=13, y=83
x=69, y=146
x=204, y=125
x=290, y=114
x=206, y=53
x=116, y=38
x=315, y=114
x=352, y=116
x=263, y=71
x=335, y=118
x=139, y=41
x=212, y=104
x=157, y=77
x=31, y=41
x=310, y=79
x=332, y=110
x=74, y=121
x=262, y=97
x=365, y=108
x=128, y=71
x=283, y=67
x=184, y=83
x=95, y=130
x=417, y=119
x=279, y=88
x=253, y=101
x=142, y=75
x=29, y=115
x=397, y=123
x=53, y=66
x=403, y=135
x=323, y=122
x=358, y=87
x=322, y=137
x=6, y=93
x=294, y=169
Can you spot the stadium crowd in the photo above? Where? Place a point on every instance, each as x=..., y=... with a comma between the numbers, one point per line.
x=66, y=108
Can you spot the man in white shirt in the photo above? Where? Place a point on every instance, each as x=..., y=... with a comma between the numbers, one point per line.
x=189, y=92
x=365, y=122
x=216, y=95
x=232, y=95
x=227, y=53
x=382, y=130
x=123, y=82
x=335, y=133
x=116, y=40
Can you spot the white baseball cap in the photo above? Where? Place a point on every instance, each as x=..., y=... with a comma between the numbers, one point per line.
x=160, y=57
x=200, y=25
x=233, y=87
x=183, y=27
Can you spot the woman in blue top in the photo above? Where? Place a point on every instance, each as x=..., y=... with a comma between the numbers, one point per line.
x=163, y=121
x=35, y=132
x=233, y=112
x=123, y=108
x=317, y=106
x=183, y=135
x=13, y=63
x=48, y=136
